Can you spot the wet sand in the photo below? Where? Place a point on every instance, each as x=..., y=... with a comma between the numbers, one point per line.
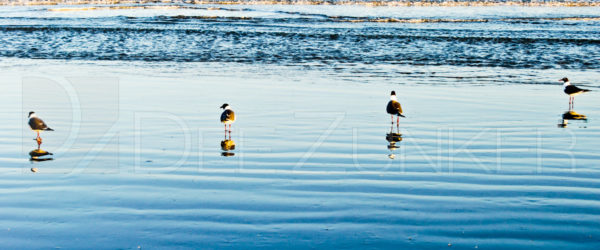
x=138, y=159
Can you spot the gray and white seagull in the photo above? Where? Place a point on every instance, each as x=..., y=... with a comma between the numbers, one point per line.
x=36, y=124
x=394, y=108
x=571, y=90
x=228, y=116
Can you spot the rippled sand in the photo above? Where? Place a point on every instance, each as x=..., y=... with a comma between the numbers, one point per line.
x=138, y=159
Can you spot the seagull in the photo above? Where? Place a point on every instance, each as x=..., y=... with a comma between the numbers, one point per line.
x=228, y=116
x=36, y=124
x=394, y=108
x=572, y=90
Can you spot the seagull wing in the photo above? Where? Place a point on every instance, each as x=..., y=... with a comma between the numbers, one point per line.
x=390, y=108
x=397, y=107
x=227, y=115
x=570, y=89
x=37, y=124
x=394, y=108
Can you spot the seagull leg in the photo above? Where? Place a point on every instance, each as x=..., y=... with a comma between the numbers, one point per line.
x=571, y=103
x=398, y=119
x=230, y=128
x=38, y=139
x=392, y=116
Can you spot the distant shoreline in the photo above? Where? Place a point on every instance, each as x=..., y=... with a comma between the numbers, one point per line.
x=402, y=3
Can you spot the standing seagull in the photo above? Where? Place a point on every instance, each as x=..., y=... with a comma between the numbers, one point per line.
x=228, y=116
x=572, y=90
x=36, y=124
x=394, y=108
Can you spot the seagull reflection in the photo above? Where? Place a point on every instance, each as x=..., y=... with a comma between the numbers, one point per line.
x=227, y=145
x=39, y=155
x=393, y=138
x=571, y=115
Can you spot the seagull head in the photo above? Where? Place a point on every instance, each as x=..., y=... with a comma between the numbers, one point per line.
x=225, y=106
x=393, y=96
x=31, y=114
x=565, y=80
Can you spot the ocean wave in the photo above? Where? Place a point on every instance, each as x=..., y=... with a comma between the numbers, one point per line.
x=448, y=3
x=432, y=35
x=455, y=20
x=495, y=37
x=279, y=46
x=325, y=18
x=322, y=18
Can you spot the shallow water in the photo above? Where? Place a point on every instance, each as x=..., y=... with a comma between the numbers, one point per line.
x=138, y=163
x=311, y=168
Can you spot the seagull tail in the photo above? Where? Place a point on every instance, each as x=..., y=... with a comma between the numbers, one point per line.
x=49, y=129
x=401, y=115
x=586, y=90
